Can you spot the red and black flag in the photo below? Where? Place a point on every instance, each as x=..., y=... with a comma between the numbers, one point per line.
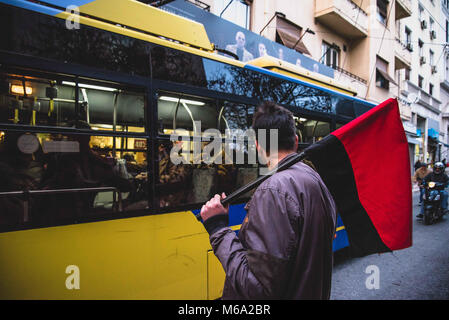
x=365, y=165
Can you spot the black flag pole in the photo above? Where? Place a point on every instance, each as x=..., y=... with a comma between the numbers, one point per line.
x=254, y=184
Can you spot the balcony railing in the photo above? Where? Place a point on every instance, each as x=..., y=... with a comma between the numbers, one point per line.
x=346, y=72
x=343, y=16
x=403, y=54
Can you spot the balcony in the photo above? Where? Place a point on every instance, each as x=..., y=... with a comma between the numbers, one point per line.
x=405, y=110
x=343, y=16
x=402, y=55
x=403, y=9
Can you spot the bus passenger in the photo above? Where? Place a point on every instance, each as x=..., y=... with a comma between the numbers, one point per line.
x=21, y=168
x=284, y=247
x=174, y=180
x=82, y=169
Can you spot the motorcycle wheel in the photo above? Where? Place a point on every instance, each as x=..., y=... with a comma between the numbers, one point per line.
x=427, y=217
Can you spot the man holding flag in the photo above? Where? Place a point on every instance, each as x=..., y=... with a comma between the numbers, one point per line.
x=284, y=248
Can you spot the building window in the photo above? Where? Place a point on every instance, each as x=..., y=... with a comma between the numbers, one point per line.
x=447, y=68
x=330, y=54
x=431, y=56
x=420, y=45
x=420, y=81
x=408, y=39
x=447, y=30
x=382, y=77
x=407, y=74
x=237, y=12
x=430, y=89
x=420, y=12
x=408, y=35
x=382, y=6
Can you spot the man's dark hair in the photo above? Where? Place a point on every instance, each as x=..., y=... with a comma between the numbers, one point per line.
x=268, y=116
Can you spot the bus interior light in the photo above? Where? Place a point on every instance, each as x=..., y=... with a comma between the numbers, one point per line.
x=89, y=86
x=172, y=99
x=18, y=89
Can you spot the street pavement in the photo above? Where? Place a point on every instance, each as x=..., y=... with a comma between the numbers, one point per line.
x=418, y=272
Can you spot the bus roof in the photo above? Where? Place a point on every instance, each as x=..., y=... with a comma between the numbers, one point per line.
x=154, y=25
x=291, y=70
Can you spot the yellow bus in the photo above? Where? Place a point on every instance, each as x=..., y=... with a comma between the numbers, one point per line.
x=91, y=207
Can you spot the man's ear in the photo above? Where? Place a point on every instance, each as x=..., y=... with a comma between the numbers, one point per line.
x=296, y=142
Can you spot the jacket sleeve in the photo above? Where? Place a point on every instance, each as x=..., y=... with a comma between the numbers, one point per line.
x=257, y=266
x=446, y=181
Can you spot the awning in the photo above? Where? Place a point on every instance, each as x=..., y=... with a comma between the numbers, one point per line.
x=432, y=133
x=386, y=76
x=289, y=33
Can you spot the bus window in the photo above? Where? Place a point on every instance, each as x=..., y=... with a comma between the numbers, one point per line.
x=130, y=162
x=70, y=178
x=189, y=113
x=311, y=131
x=235, y=116
x=192, y=168
x=49, y=102
x=196, y=179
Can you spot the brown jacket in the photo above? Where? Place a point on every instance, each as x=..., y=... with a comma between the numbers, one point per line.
x=284, y=247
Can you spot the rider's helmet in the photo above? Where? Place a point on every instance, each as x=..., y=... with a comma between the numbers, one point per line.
x=438, y=168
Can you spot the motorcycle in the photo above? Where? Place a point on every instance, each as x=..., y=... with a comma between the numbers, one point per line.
x=432, y=202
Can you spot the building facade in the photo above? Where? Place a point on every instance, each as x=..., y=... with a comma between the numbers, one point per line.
x=443, y=67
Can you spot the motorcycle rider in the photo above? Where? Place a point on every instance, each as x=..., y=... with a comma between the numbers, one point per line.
x=437, y=175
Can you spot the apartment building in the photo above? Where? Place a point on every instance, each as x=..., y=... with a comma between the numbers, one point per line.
x=443, y=66
x=420, y=87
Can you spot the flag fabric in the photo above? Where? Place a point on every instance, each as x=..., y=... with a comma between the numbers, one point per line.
x=365, y=165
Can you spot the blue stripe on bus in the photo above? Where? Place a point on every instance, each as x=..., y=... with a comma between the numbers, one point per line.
x=237, y=213
x=284, y=77
x=32, y=6
x=341, y=241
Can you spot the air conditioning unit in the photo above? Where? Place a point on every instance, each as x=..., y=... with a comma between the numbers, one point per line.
x=433, y=69
x=422, y=60
x=433, y=35
x=423, y=24
x=409, y=47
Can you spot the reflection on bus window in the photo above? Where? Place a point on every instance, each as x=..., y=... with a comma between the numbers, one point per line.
x=198, y=177
x=78, y=177
x=235, y=116
x=36, y=101
x=186, y=112
x=311, y=131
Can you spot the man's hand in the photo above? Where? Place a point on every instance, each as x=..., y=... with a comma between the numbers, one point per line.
x=214, y=207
